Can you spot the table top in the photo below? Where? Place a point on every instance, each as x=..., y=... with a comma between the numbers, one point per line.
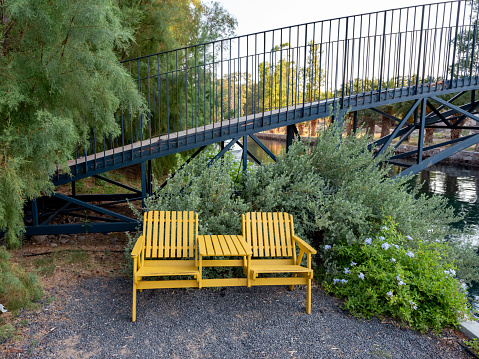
x=223, y=245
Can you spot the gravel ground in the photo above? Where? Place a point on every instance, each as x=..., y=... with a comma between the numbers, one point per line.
x=94, y=321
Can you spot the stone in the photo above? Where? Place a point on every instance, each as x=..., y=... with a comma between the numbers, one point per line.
x=53, y=244
x=39, y=239
x=64, y=240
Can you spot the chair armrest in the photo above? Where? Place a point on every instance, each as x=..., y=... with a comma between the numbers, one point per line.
x=138, y=247
x=305, y=246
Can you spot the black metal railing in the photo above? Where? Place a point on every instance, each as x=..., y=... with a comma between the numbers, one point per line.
x=222, y=83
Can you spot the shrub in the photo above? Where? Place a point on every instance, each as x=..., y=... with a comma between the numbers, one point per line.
x=18, y=289
x=382, y=277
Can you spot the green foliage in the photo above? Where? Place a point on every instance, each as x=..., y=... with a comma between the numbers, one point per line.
x=18, y=289
x=292, y=185
x=204, y=188
x=60, y=77
x=381, y=277
x=473, y=345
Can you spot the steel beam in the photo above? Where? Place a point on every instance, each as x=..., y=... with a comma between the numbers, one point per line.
x=439, y=157
x=265, y=149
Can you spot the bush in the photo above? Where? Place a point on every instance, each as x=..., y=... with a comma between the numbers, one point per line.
x=381, y=277
x=18, y=289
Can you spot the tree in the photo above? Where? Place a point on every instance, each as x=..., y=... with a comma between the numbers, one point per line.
x=60, y=77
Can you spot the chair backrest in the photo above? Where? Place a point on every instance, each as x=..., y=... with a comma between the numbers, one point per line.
x=170, y=234
x=269, y=234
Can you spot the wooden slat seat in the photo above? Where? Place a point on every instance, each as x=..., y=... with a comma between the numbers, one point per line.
x=276, y=249
x=167, y=247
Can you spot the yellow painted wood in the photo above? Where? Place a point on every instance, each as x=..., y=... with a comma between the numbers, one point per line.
x=271, y=235
x=276, y=253
x=161, y=235
x=282, y=236
x=155, y=235
x=224, y=245
x=223, y=262
x=191, y=235
x=218, y=251
x=173, y=235
x=224, y=282
x=231, y=245
x=158, y=284
x=209, y=246
x=149, y=234
x=165, y=270
x=251, y=232
x=167, y=234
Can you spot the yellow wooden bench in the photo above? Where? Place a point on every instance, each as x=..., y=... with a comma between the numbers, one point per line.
x=275, y=250
x=167, y=247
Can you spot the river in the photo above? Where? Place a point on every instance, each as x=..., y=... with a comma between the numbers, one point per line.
x=458, y=184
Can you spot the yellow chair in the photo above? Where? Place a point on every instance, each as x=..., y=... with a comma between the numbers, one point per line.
x=167, y=247
x=275, y=250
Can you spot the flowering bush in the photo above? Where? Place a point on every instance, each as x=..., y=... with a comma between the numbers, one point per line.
x=381, y=277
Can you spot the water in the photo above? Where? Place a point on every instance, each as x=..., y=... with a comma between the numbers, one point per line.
x=458, y=184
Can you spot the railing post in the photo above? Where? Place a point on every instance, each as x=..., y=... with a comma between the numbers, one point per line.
x=420, y=49
x=455, y=41
x=474, y=35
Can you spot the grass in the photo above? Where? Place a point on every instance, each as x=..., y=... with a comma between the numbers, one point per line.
x=78, y=257
x=45, y=265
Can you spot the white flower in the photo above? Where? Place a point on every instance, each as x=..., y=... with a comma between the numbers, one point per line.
x=336, y=280
x=414, y=306
x=452, y=271
x=385, y=245
x=326, y=247
x=346, y=270
x=401, y=282
x=409, y=237
x=384, y=228
x=395, y=246
x=398, y=277
x=360, y=275
x=381, y=238
x=368, y=241
x=393, y=260
x=353, y=264
x=410, y=254
x=344, y=281
x=390, y=294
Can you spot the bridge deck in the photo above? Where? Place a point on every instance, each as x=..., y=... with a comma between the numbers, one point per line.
x=234, y=128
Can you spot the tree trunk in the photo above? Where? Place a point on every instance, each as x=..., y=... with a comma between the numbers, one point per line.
x=314, y=129
x=455, y=132
x=370, y=125
x=429, y=137
x=300, y=127
x=349, y=124
x=385, y=125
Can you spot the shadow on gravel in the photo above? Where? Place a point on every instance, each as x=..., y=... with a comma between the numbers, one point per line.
x=94, y=321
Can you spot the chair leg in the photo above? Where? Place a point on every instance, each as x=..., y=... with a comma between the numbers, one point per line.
x=133, y=316
x=291, y=287
x=308, y=297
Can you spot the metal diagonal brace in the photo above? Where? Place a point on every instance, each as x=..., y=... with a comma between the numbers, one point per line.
x=223, y=151
x=265, y=149
x=455, y=108
x=249, y=154
x=439, y=157
x=398, y=127
x=93, y=207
